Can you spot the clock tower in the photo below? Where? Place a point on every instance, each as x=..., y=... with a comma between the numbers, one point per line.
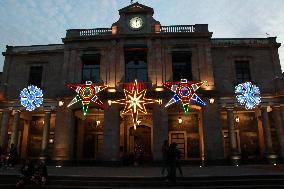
x=135, y=19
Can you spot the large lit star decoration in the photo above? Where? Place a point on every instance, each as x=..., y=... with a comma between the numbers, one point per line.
x=135, y=102
x=248, y=95
x=184, y=92
x=85, y=94
x=31, y=97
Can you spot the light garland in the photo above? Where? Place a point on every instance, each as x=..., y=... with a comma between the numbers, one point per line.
x=184, y=92
x=135, y=102
x=31, y=97
x=85, y=94
x=248, y=95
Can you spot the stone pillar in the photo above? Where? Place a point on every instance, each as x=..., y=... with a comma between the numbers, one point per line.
x=4, y=130
x=111, y=133
x=234, y=154
x=279, y=128
x=15, y=129
x=45, y=135
x=160, y=131
x=64, y=134
x=269, y=153
x=212, y=132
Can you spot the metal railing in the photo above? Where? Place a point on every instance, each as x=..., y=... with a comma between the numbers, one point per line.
x=96, y=31
x=197, y=28
x=177, y=29
x=88, y=32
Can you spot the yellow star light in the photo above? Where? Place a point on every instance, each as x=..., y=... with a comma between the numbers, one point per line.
x=135, y=102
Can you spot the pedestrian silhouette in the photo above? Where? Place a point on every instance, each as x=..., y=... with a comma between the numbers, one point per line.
x=165, y=151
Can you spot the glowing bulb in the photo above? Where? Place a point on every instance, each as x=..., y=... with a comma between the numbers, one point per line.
x=159, y=88
x=111, y=90
x=138, y=122
x=179, y=120
x=109, y=102
x=60, y=103
x=237, y=119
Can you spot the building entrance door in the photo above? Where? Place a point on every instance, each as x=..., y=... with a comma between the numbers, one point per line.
x=140, y=142
x=226, y=141
x=88, y=135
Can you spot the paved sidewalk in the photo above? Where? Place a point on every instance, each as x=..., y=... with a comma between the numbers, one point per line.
x=189, y=171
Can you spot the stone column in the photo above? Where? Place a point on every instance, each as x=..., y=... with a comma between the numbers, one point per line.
x=111, y=133
x=4, y=130
x=279, y=128
x=212, y=133
x=15, y=129
x=269, y=153
x=235, y=158
x=160, y=131
x=45, y=135
x=64, y=134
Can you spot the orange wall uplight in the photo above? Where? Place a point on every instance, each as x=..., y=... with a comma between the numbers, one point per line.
x=114, y=30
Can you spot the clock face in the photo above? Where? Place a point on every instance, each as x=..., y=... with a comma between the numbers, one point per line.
x=136, y=23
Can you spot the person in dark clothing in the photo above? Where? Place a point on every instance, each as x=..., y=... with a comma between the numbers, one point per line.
x=178, y=162
x=172, y=161
x=165, y=150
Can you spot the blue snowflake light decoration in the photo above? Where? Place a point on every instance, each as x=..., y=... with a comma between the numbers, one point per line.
x=31, y=97
x=248, y=95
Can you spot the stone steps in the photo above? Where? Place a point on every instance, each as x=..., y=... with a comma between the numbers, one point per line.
x=76, y=182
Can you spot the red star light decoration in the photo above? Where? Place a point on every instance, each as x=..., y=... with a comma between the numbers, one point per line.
x=85, y=94
x=184, y=92
x=135, y=102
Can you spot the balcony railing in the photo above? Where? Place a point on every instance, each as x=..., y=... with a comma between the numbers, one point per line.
x=177, y=29
x=88, y=32
x=197, y=28
x=242, y=41
x=96, y=31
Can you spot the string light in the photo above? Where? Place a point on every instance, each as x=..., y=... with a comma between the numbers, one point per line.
x=184, y=92
x=248, y=95
x=31, y=97
x=135, y=102
x=85, y=94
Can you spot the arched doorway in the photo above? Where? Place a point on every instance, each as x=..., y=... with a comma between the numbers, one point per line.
x=140, y=142
x=88, y=134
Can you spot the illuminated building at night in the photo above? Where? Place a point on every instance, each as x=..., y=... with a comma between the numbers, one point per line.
x=139, y=47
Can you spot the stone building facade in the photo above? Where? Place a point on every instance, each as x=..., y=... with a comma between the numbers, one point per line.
x=138, y=46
